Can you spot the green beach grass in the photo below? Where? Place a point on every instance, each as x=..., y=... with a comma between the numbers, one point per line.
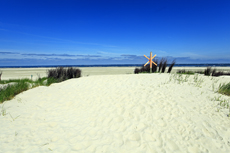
x=225, y=89
x=19, y=85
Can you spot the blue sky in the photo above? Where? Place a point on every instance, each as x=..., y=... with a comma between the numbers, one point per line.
x=85, y=32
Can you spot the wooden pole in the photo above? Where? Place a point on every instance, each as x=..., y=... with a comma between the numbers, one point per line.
x=150, y=62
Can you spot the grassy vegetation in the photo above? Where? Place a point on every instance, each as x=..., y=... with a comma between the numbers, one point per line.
x=213, y=72
x=199, y=72
x=185, y=72
x=54, y=76
x=164, y=65
x=208, y=72
x=0, y=75
x=161, y=67
x=222, y=104
x=62, y=74
x=180, y=78
x=10, y=91
x=23, y=80
x=20, y=85
x=225, y=89
x=171, y=66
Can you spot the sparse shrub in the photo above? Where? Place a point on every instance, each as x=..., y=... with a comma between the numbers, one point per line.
x=181, y=71
x=164, y=66
x=185, y=72
x=52, y=73
x=218, y=74
x=160, y=65
x=69, y=73
x=154, y=67
x=62, y=74
x=227, y=73
x=207, y=71
x=213, y=72
x=0, y=75
x=171, y=66
x=145, y=68
x=136, y=71
x=77, y=73
x=200, y=72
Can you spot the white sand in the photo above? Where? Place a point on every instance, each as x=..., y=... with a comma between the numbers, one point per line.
x=16, y=73
x=117, y=113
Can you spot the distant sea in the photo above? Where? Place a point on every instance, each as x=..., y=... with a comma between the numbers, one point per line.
x=120, y=65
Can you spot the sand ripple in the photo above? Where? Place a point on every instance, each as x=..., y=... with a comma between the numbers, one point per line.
x=117, y=113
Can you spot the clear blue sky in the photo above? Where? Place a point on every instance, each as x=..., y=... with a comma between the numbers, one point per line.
x=81, y=32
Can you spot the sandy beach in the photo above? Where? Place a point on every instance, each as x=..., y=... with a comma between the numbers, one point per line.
x=135, y=113
x=16, y=73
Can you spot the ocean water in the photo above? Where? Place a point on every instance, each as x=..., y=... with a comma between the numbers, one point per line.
x=121, y=65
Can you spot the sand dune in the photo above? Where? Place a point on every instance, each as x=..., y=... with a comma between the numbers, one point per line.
x=118, y=113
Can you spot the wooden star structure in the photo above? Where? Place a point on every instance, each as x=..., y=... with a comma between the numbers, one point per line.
x=150, y=61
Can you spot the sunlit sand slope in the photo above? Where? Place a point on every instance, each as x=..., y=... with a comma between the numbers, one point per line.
x=118, y=113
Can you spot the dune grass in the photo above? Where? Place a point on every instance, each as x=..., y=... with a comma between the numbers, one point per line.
x=185, y=72
x=161, y=67
x=171, y=66
x=39, y=81
x=180, y=78
x=225, y=89
x=20, y=85
x=10, y=91
x=0, y=75
x=62, y=74
x=164, y=65
x=54, y=76
x=207, y=72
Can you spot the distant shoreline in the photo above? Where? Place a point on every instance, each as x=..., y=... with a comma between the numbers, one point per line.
x=121, y=65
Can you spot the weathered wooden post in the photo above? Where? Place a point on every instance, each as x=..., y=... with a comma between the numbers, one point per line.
x=150, y=61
